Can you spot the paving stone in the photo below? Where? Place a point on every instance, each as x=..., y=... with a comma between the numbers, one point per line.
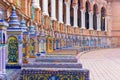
x=103, y=64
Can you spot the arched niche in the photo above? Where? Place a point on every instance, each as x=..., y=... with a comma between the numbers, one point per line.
x=79, y=13
x=12, y=50
x=95, y=8
x=49, y=7
x=102, y=19
x=64, y=12
x=71, y=13
x=57, y=9
x=87, y=8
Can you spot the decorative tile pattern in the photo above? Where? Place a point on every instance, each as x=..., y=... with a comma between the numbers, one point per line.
x=13, y=50
x=59, y=75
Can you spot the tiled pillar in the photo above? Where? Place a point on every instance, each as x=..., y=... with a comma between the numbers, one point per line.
x=89, y=42
x=54, y=46
x=27, y=49
x=0, y=60
x=20, y=54
x=36, y=47
x=6, y=54
x=39, y=49
x=3, y=59
x=43, y=45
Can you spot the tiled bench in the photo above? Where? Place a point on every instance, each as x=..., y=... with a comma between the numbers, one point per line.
x=35, y=74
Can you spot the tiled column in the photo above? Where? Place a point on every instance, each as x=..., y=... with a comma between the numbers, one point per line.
x=83, y=19
x=20, y=53
x=27, y=46
x=54, y=46
x=75, y=15
x=45, y=7
x=67, y=13
x=98, y=22
x=0, y=60
x=53, y=9
x=91, y=20
x=60, y=19
x=3, y=59
x=6, y=53
x=36, y=50
x=89, y=41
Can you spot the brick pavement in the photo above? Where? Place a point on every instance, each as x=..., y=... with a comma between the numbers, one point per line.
x=103, y=64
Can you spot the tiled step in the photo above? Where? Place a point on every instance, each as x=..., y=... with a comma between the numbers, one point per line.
x=58, y=58
x=52, y=65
